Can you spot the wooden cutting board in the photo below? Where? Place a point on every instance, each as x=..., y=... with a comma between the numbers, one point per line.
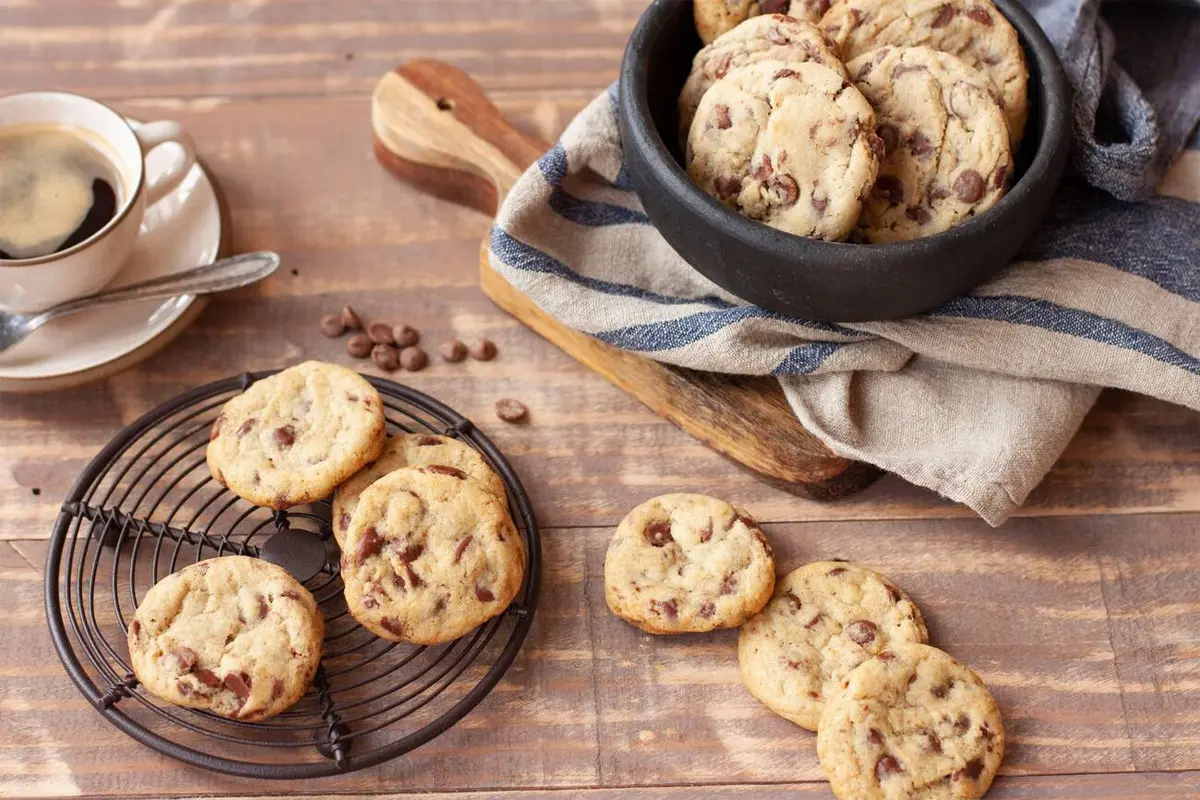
x=435, y=128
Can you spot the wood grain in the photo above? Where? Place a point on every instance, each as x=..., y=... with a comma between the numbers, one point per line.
x=1084, y=627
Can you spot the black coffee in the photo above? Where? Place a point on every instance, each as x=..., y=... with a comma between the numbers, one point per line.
x=56, y=190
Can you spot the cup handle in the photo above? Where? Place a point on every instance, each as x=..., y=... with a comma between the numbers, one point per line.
x=151, y=135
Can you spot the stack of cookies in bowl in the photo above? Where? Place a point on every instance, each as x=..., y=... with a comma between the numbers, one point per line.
x=877, y=121
x=833, y=647
x=429, y=550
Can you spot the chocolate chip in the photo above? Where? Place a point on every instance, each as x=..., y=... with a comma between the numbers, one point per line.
x=786, y=188
x=350, y=319
x=707, y=610
x=344, y=522
x=483, y=350
x=428, y=441
x=510, y=410
x=986, y=733
x=729, y=585
x=793, y=600
x=1000, y=176
x=385, y=357
x=890, y=136
x=452, y=351
x=276, y=689
x=942, y=690
x=706, y=534
x=359, y=346
x=721, y=117
x=875, y=737
x=380, y=333
x=215, y=431
x=187, y=658
x=784, y=73
x=414, y=580
x=918, y=214
x=263, y=608
x=861, y=631
x=919, y=144
x=969, y=186
x=235, y=683
x=886, y=655
x=462, y=548
x=403, y=335
x=658, y=533
x=484, y=595
x=833, y=573
x=392, y=626
x=727, y=186
x=443, y=469
x=285, y=436
x=411, y=553
x=774, y=6
x=932, y=741
x=765, y=169
x=777, y=36
x=819, y=202
x=183, y=688
x=413, y=359
x=944, y=17
x=962, y=724
x=894, y=593
x=856, y=18
x=980, y=15
x=938, y=192
x=369, y=544
x=332, y=325
x=886, y=767
x=812, y=623
x=246, y=427
x=290, y=594
x=889, y=187
x=369, y=601
x=722, y=66
x=207, y=678
x=972, y=770
x=667, y=608
x=136, y=627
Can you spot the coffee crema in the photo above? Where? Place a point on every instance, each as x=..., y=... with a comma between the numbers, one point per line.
x=56, y=189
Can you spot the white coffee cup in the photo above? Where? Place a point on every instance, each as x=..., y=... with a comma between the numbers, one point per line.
x=32, y=284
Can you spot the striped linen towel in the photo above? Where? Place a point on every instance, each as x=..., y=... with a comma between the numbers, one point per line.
x=975, y=399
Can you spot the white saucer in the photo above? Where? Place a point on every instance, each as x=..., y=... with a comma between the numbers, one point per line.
x=181, y=231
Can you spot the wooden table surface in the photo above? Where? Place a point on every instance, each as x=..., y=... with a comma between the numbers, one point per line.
x=1083, y=614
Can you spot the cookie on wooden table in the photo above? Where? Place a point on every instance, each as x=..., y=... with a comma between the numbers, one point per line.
x=685, y=563
x=825, y=619
x=790, y=145
x=294, y=436
x=911, y=723
x=972, y=30
x=430, y=555
x=771, y=37
x=234, y=635
x=413, y=450
x=946, y=152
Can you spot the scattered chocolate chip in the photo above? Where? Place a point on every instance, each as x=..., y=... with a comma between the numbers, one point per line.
x=774, y=6
x=875, y=737
x=187, y=658
x=443, y=469
x=359, y=346
x=812, y=623
x=344, y=522
x=385, y=357
x=414, y=580
x=944, y=17
x=886, y=767
x=856, y=19
x=727, y=186
x=332, y=325
x=380, y=333
x=510, y=410
x=889, y=187
x=411, y=553
x=484, y=595
x=721, y=117
x=938, y=192
x=369, y=601
x=369, y=544
x=793, y=600
x=819, y=202
x=890, y=136
x=666, y=608
x=962, y=724
x=405, y=335
x=777, y=36
x=658, y=533
x=765, y=169
x=215, y=431
x=285, y=436
x=729, y=585
x=183, y=688
x=483, y=350
x=972, y=770
x=452, y=351
x=1000, y=176
x=933, y=742
x=290, y=594
x=246, y=427
x=413, y=359
x=861, y=631
x=786, y=189
x=392, y=626
x=136, y=627
x=941, y=691
x=986, y=733
x=462, y=548
x=919, y=144
x=707, y=533
x=707, y=610
x=276, y=689
x=969, y=186
x=784, y=73
x=894, y=593
x=234, y=683
x=263, y=608
x=207, y=678
x=428, y=441
x=886, y=655
x=350, y=320
x=722, y=66
x=918, y=214
x=980, y=15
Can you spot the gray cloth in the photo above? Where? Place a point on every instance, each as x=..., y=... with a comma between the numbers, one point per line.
x=977, y=398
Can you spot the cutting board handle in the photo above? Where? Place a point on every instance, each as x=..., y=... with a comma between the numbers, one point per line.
x=436, y=128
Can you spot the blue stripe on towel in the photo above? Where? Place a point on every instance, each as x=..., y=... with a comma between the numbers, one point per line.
x=590, y=213
x=1156, y=239
x=1071, y=321
x=806, y=358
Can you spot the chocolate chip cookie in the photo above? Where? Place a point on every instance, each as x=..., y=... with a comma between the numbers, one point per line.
x=946, y=152
x=235, y=636
x=972, y=30
x=767, y=38
x=430, y=554
x=413, y=450
x=911, y=722
x=292, y=437
x=790, y=145
x=685, y=563
x=825, y=619
x=716, y=17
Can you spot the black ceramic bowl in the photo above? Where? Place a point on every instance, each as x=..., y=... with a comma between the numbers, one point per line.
x=809, y=278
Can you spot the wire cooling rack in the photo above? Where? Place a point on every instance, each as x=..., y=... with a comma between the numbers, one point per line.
x=146, y=506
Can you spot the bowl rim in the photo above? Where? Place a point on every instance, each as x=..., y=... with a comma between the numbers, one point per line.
x=1053, y=134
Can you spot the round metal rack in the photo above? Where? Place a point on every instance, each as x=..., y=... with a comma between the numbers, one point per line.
x=147, y=506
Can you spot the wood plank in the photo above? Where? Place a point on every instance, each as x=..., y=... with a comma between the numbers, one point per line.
x=593, y=702
x=350, y=233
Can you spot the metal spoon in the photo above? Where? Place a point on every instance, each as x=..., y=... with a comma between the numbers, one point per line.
x=228, y=273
